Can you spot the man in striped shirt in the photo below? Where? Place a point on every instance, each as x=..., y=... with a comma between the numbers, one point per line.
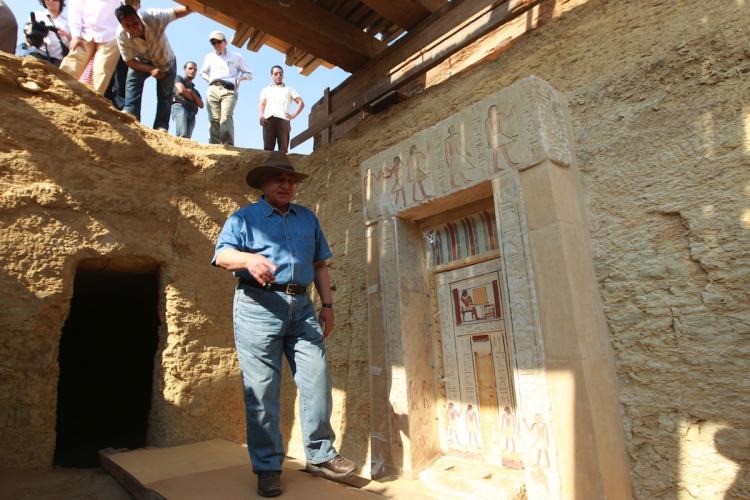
x=146, y=50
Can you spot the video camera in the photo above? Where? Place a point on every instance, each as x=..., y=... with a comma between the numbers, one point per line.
x=36, y=31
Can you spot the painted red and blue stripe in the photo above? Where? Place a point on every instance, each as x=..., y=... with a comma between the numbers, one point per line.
x=465, y=237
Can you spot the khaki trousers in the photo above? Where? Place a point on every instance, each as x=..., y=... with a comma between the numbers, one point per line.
x=105, y=57
x=220, y=106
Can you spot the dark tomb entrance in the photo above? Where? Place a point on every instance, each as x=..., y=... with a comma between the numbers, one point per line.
x=106, y=364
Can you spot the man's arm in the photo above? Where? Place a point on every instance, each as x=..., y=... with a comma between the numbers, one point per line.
x=181, y=11
x=323, y=286
x=245, y=73
x=180, y=89
x=75, y=23
x=145, y=68
x=197, y=99
x=262, y=110
x=257, y=265
x=300, y=107
x=204, y=69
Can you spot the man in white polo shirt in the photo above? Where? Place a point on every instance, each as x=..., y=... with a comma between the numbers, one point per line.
x=273, y=109
x=223, y=70
x=146, y=50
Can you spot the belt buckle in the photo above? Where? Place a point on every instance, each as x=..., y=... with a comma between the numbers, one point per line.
x=290, y=289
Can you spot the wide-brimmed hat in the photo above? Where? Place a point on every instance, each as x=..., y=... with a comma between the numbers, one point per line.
x=216, y=35
x=276, y=163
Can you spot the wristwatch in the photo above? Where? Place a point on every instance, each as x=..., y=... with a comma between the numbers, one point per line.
x=327, y=305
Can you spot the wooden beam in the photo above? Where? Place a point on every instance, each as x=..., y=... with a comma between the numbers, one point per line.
x=242, y=35
x=436, y=38
x=433, y=5
x=307, y=26
x=405, y=13
x=256, y=41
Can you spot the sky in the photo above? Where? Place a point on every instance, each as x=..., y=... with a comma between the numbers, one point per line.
x=189, y=40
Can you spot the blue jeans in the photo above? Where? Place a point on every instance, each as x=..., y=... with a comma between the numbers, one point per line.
x=267, y=324
x=184, y=121
x=164, y=95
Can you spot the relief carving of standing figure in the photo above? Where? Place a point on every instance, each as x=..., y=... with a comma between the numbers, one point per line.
x=456, y=157
x=498, y=140
x=417, y=174
x=398, y=187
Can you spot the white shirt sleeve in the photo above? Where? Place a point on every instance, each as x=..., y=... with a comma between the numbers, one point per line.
x=206, y=69
x=75, y=17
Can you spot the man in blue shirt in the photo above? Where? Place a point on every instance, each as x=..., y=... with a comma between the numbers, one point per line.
x=276, y=249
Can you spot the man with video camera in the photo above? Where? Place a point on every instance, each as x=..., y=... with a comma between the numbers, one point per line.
x=36, y=33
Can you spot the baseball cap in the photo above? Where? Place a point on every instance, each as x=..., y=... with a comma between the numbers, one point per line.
x=216, y=35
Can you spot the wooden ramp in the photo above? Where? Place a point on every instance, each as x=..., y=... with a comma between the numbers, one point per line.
x=221, y=469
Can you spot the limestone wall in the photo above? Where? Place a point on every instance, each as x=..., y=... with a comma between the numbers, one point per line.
x=658, y=95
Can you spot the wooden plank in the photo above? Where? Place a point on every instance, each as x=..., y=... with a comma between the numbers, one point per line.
x=256, y=41
x=436, y=38
x=433, y=5
x=406, y=13
x=420, y=50
x=312, y=66
x=306, y=26
x=242, y=35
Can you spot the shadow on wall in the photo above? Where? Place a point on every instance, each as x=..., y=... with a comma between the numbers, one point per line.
x=734, y=444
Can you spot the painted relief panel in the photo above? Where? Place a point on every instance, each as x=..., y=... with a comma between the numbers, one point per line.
x=478, y=381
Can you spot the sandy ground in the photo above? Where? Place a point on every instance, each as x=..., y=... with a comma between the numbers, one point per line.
x=79, y=484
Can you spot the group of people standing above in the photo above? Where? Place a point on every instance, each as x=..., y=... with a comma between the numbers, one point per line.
x=116, y=47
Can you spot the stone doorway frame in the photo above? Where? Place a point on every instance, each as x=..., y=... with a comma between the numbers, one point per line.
x=516, y=147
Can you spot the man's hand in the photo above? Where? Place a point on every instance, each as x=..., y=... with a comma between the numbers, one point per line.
x=326, y=320
x=157, y=73
x=75, y=42
x=260, y=268
x=262, y=122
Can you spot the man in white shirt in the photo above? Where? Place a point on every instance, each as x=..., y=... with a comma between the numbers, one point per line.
x=273, y=109
x=223, y=70
x=93, y=28
x=146, y=50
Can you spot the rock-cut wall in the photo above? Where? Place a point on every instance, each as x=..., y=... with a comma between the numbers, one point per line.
x=658, y=93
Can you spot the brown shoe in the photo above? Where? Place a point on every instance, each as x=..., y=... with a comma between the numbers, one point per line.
x=269, y=483
x=336, y=468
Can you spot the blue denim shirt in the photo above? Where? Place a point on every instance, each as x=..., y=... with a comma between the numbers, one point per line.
x=292, y=241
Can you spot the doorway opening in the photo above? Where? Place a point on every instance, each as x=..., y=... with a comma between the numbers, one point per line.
x=106, y=360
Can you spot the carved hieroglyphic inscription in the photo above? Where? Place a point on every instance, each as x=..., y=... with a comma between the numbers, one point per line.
x=516, y=128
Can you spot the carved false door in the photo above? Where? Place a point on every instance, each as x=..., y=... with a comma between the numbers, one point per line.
x=476, y=360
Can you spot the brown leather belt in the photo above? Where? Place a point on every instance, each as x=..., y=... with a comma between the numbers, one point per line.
x=287, y=288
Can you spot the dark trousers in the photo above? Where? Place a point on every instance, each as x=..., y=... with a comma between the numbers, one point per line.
x=276, y=130
x=164, y=95
x=116, y=90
